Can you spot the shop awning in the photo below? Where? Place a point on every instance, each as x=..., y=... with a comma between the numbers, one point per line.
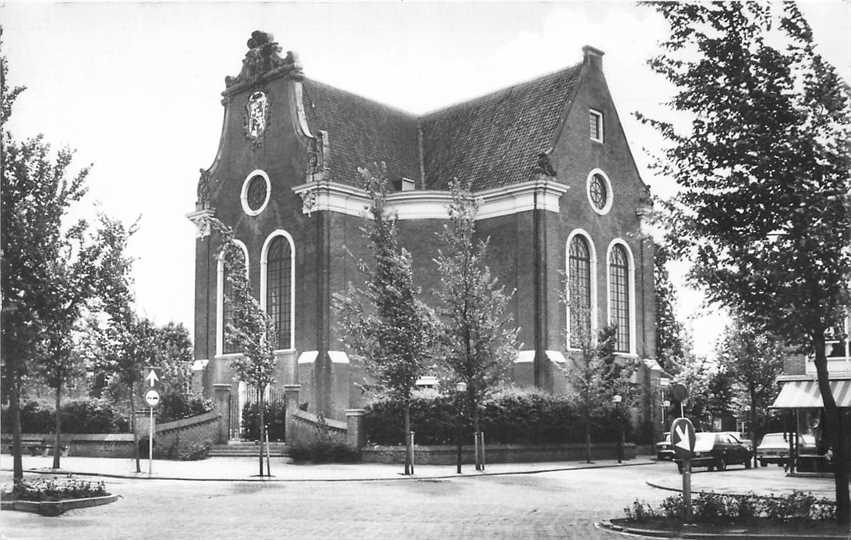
x=805, y=394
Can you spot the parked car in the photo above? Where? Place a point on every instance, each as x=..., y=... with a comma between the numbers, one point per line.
x=774, y=448
x=664, y=449
x=742, y=438
x=716, y=451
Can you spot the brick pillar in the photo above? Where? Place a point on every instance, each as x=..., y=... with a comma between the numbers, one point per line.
x=355, y=436
x=291, y=397
x=221, y=400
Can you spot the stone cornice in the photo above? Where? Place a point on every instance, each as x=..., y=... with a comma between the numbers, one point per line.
x=542, y=193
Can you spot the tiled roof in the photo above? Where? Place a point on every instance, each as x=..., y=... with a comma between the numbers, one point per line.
x=494, y=139
x=362, y=132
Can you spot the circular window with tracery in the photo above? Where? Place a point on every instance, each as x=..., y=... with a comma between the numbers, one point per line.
x=255, y=193
x=599, y=192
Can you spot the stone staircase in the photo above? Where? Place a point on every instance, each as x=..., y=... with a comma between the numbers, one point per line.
x=247, y=449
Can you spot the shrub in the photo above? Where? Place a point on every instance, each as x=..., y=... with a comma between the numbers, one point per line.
x=56, y=489
x=274, y=416
x=178, y=406
x=724, y=509
x=323, y=451
x=81, y=416
x=195, y=451
x=510, y=416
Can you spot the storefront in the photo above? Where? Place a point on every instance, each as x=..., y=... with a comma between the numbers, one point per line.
x=805, y=426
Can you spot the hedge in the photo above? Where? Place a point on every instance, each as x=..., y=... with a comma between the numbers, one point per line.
x=83, y=416
x=179, y=406
x=274, y=415
x=509, y=417
x=99, y=415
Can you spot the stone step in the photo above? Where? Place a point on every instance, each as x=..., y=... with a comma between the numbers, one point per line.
x=247, y=449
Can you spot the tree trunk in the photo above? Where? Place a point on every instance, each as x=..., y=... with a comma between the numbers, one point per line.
x=836, y=434
x=479, y=448
x=587, y=438
x=262, y=419
x=133, y=427
x=56, y=448
x=408, y=448
x=753, y=427
x=15, y=412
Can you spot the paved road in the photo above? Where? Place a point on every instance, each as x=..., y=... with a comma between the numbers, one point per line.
x=563, y=504
x=549, y=505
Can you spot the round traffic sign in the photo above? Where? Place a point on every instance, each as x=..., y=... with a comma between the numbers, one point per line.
x=682, y=437
x=152, y=397
x=679, y=392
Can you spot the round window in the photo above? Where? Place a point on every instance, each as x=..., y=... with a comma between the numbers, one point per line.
x=599, y=190
x=255, y=193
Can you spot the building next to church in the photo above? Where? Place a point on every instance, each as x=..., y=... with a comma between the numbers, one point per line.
x=560, y=197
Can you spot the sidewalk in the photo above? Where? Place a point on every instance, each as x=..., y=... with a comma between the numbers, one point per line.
x=760, y=480
x=246, y=469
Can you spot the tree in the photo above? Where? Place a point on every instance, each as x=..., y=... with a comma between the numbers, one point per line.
x=123, y=344
x=37, y=192
x=385, y=322
x=249, y=329
x=754, y=359
x=669, y=331
x=77, y=277
x=479, y=342
x=763, y=176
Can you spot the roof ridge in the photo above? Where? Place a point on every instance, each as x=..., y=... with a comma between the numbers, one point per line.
x=505, y=89
x=392, y=108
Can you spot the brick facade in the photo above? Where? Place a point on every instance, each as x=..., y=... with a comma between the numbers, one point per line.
x=315, y=200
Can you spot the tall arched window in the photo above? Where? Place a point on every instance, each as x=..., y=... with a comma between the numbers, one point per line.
x=279, y=289
x=619, y=296
x=227, y=308
x=579, y=291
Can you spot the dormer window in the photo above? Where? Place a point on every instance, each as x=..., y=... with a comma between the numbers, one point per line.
x=596, y=123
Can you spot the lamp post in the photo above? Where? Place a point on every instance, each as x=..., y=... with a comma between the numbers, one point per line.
x=460, y=388
x=617, y=401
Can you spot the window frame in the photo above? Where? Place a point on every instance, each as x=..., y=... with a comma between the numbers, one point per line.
x=630, y=294
x=598, y=116
x=264, y=284
x=220, y=296
x=592, y=255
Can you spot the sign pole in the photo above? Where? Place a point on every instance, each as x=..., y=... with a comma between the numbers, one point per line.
x=687, y=490
x=151, y=443
x=683, y=439
x=152, y=397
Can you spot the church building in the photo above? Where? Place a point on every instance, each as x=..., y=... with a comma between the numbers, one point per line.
x=561, y=201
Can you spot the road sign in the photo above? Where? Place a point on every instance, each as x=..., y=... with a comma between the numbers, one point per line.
x=679, y=392
x=682, y=438
x=152, y=377
x=152, y=397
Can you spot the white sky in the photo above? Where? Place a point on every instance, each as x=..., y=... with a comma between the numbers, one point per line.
x=134, y=88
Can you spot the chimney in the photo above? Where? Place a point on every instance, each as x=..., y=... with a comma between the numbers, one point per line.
x=593, y=57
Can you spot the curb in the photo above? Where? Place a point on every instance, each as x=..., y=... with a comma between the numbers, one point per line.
x=364, y=479
x=55, y=508
x=657, y=533
x=700, y=492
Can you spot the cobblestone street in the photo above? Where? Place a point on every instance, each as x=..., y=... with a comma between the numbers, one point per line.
x=548, y=505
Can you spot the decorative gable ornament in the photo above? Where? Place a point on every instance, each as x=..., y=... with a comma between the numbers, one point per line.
x=263, y=61
x=256, y=118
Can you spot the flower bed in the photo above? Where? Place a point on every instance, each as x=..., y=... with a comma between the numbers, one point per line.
x=52, y=497
x=712, y=513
